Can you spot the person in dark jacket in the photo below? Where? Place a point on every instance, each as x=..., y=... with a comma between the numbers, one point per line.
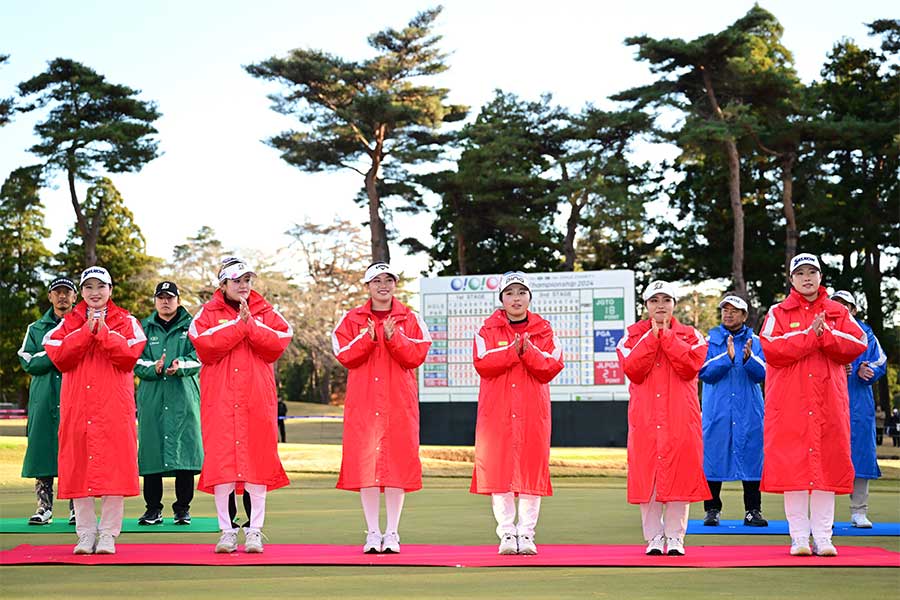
x=168, y=403
x=733, y=411
x=43, y=401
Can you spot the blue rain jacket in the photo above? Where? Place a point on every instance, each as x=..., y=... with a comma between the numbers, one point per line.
x=862, y=408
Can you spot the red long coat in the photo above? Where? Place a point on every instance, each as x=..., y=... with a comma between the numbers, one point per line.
x=381, y=412
x=512, y=432
x=97, y=432
x=238, y=402
x=665, y=432
x=806, y=431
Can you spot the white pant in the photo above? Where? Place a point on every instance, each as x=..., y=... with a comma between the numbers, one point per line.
x=859, y=499
x=809, y=512
x=504, y=506
x=667, y=519
x=393, y=506
x=257, y=493
x=112, y=511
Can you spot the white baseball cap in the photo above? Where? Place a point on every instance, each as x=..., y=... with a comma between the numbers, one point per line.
x=736, y=301
x=376, y=269
x=511, y=277
x=805, y=259
x=96, y=273
x=234, y=268
x=845, y=296
x=659, y=287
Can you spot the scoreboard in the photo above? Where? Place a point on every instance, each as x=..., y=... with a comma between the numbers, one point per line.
x=589, y=312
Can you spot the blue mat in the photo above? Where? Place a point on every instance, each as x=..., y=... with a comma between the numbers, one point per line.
x=696, y=527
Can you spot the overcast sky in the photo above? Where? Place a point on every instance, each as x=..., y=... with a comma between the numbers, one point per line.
x=187, y=57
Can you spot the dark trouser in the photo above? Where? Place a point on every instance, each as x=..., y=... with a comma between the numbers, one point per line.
x=282, y=431
x=752, y=497
x=184, y=491
x=43, y=489
x=232, y=506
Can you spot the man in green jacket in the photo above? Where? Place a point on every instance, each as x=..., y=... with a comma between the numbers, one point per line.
x=43, y=400
x=168, y=403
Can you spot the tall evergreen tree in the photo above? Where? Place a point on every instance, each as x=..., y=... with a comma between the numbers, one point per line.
x=23, y=261
x=121, y=248
x=6, y=104
x=91, y=123
x=374, y=116
x=195, y=266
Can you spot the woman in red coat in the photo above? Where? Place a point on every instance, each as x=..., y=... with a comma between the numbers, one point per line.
x=517, y=355
x=96, y=347
x=807, y=340
x=381, y=343
x=661, y=358
x=238, y=337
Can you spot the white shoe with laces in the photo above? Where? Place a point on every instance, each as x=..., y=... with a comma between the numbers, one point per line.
x=655, y=546
x=227, y=542
x=390, y=543
x=508, y=544
x=675, y=547
x=44, y=516
x=861, y=521
x=823, y=547
x=106, y=544
x=373, y=542
x=800, y=547
x=253, y=543
x=86, y=543
x=526, y=545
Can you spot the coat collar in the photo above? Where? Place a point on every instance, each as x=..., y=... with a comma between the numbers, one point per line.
x=181, y=319
x=720, y=334
x=255, y=301
x=363, y=313
x=536, y=323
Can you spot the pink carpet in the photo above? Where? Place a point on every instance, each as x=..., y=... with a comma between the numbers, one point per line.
x=453, y=556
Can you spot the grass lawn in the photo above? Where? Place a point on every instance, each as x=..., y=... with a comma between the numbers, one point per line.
x=584, y=509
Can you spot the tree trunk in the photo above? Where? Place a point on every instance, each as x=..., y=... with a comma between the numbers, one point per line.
x=787, y=200
x=380, y=251
x=460, y=250
x=571, y=229
x=89, y=233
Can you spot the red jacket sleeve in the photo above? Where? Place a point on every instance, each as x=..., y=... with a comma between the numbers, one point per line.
x=67, y=348
x=784, y=349
x=686, y=357
x=410, y=347
x=637, y=355
x=493, y=362
x=125, y=347
x=351, y=348
x=544, y=361
x=270, y=337
x=844, y=342
x=214, y=341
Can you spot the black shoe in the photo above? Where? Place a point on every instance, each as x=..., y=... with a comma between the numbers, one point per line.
x=712, y=518
x=71, y=517
x=182, y=517
x=754, y=518
x=152, y=516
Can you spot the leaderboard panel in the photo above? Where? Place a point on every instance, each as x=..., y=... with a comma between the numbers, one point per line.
x=589, y=312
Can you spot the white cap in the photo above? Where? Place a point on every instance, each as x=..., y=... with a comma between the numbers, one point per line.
x=659, y=287
x=234, y=268
x=512, y=277
x=376, y=269
x=805, y=259
x=845, y=296
x=735, y=301
x=96, y=273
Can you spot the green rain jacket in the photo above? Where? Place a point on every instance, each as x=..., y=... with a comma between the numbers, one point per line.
x=43, y=400
x=168, y=405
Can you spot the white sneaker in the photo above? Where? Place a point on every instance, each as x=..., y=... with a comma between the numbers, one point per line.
x=253, y=543
x=390, y=543
x=373, y=543
x=86, y=543
x=227, y=542
x=800, y=546
x=44, y=516
x=857, y=519
x=526, y=545
x=106, y=544
x=823, y=547
x=655, y=546
x=675, y=547
x=508, y=544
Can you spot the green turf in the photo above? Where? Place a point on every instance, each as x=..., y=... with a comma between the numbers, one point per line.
x=61, y=525
x=584, y=510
